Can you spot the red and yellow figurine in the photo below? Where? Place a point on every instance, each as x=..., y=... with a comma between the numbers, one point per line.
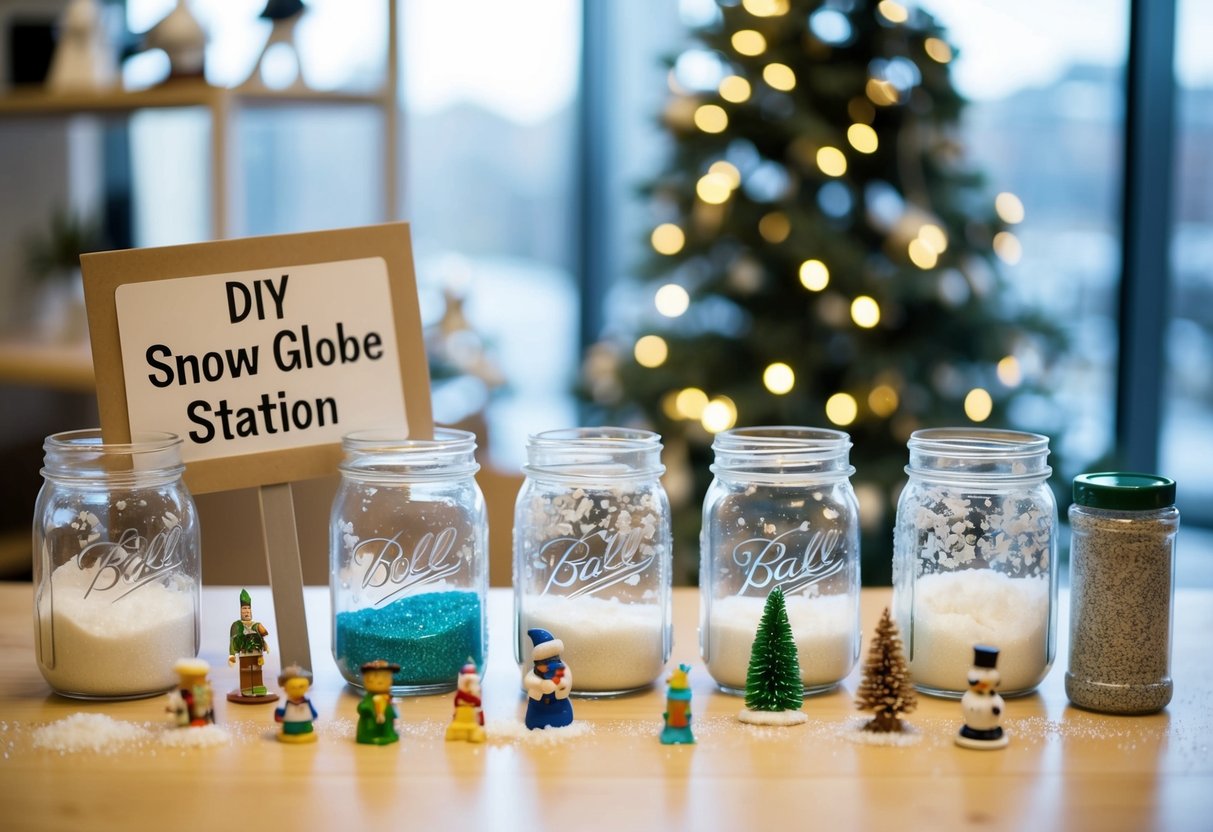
x=468, y=720
x=247, y=645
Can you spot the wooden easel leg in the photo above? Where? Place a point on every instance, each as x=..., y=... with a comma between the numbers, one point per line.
x=286, y=574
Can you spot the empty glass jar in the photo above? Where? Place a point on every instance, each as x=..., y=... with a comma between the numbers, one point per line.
x=592, y=555
x=780, y=512
x=116, y=567
x=974, y=557
x=409, y=558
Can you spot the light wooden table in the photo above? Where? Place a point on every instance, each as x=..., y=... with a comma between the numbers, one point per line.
x=1064, y=769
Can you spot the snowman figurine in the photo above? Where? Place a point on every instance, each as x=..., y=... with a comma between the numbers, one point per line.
x=982, y=706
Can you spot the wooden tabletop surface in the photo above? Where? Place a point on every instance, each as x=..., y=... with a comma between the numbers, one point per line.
x=1064, y=769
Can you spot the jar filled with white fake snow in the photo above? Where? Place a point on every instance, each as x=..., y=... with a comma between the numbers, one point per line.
x=974, y=557
x=592, y=556
x=780, y=512
x=116, y=565
x=408, y=558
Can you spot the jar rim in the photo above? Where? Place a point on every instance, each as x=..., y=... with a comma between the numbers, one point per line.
x=599, y=453
x=780, y=439
x=389, y=439
x=93, y=441
x=979, y=443
x=605, y=437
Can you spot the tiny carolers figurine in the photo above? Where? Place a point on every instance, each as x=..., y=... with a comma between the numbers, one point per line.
x=376, y=713
x=548, y=683
x=774, y=691
x=295, y=715
x=247, y=643
x=886, y=689
x=982, y=706
x=191, y=704
x=677, y=716
x=468, y=721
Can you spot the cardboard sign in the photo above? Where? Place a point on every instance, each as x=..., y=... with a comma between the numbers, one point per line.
x=260, y=353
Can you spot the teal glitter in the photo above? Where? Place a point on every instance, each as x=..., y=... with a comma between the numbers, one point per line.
x=430, y=636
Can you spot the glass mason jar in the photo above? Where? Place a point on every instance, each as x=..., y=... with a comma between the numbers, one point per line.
x=592, y=556
x=116, y=565
x=1122, y=582
x=780, y=512
x=974, y=557
x=408, y=557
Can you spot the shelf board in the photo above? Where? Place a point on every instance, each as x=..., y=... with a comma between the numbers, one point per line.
x=37, y=101
x=55, y=366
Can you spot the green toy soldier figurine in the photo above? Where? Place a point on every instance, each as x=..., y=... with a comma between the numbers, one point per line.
x=248, y=645
x=376, y=713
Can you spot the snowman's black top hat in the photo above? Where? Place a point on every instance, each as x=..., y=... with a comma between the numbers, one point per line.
x=984, y=656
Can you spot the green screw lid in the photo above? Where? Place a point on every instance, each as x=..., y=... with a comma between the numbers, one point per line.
x=1123, y=491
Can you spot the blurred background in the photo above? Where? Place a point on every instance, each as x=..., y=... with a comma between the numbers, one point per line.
x=550, y=157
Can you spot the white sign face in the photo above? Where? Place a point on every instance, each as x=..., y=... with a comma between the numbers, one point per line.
x=263, y=360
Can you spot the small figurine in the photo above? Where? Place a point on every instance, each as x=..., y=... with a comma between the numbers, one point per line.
x=247, y=643
x=982, y=706
x=295, y=715
x=677, y=716
x=468, y=721
x=85, y=59
x=192, y=703
x=774, y=691
x=886, y=689
x=548, y=683
x=284, y=15
x=376, y=713
x=183, y=39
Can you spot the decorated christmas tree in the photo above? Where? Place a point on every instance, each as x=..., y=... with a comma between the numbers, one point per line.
x=822, y=255
x=886, y=689
x=772, y=683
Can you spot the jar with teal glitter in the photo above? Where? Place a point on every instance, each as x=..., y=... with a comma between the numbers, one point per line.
x=408, y=549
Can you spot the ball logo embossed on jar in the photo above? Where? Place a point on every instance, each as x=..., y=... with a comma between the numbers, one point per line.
x=386, y=563
x=580, y=570
x=132, y=561
x=765, y=562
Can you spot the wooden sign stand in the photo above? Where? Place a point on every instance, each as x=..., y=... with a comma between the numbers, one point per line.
x=261, y=353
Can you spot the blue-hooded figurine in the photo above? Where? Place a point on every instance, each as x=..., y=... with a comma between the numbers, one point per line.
x=548, y=683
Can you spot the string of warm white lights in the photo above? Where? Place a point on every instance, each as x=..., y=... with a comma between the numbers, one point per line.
x=923, y=244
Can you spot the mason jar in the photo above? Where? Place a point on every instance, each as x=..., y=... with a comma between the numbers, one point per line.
x=780, y=512
x=974, y=557
x=408, y=557
x=592, y=556
x=116, y=565
x=1122, y=584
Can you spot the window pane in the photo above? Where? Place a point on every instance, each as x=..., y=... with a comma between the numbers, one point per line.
x=490, y=94
x=1187, y=439
x=1045, y=122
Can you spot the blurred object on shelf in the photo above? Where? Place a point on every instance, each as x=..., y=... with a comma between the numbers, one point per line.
x=182, y=38
x=85, y=56
x=52, y=264
x=278, y=66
